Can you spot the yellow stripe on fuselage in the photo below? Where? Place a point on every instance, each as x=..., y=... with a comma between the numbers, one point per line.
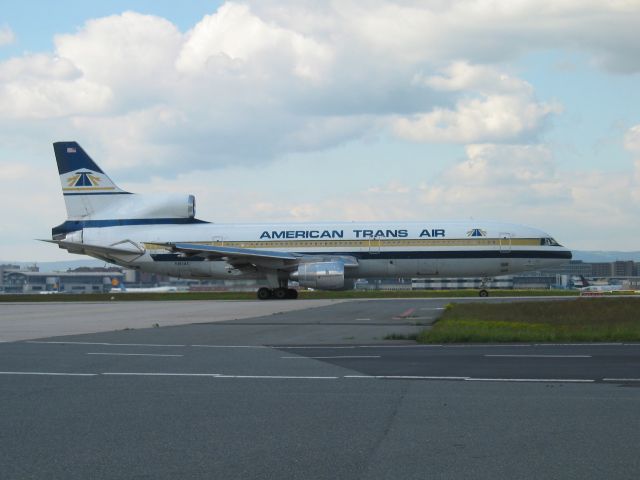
x=375, y=243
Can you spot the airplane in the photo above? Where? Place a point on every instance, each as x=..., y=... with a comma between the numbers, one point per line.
x=122, y=288
x=161, y=234
x=586, y=287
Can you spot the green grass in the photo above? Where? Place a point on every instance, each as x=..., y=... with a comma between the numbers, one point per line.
x=471, y=293
x=581, y=320
x=181, y=296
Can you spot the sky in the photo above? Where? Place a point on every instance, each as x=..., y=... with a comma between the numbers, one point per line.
x=524, y=111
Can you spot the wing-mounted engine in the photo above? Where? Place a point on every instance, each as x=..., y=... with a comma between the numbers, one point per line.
x=319, y=272
x=322, y=275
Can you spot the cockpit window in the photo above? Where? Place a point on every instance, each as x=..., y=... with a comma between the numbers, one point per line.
x=549, y=242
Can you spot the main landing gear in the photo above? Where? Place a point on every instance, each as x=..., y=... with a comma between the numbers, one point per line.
x=483, y=287
x=279, y=293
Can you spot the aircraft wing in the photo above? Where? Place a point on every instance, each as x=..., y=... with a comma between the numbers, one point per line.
x=259, y=258
x=239, y=256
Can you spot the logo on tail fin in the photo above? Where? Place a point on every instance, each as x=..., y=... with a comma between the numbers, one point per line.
x=84, y=179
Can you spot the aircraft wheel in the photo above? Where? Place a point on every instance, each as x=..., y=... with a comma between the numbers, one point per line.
x=483, y=293
x=264, y=293
x=281, y=293
x=292, y=293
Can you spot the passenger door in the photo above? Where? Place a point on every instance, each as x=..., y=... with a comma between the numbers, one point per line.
x=505, y=242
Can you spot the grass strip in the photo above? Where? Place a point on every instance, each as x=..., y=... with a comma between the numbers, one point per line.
x=580, y=320
x=350, y=294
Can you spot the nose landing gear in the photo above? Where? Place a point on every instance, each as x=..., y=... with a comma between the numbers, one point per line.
x=483, y=287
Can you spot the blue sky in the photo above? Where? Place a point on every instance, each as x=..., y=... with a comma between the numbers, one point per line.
x=35, y=22
x=355, y=110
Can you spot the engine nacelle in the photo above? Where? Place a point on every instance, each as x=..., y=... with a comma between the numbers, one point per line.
x=322, y=275
x=150, y=206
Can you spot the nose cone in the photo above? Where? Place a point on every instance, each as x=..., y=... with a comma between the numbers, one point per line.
x=559, y=256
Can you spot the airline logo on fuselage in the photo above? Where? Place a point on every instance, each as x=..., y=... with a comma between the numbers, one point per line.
x=357, y=233
x=476, y=232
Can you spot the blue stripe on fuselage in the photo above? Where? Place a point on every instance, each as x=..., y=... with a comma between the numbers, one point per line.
x=97, y=193
x=401, y=255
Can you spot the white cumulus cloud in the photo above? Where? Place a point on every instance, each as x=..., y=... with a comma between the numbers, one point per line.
x=235, y=33
x=44, y=86
x=632, y=139
x=632, y=144
x=255, y=80
x=7, y=36
x=492, y=118
x=494, y=107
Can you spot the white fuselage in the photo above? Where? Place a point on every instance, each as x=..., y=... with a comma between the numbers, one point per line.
x=399, y=249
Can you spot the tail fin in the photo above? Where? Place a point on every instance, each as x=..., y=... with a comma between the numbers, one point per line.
x=93, y=200
x=86, y=188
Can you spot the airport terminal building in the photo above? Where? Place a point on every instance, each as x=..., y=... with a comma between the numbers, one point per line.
x=20, y=281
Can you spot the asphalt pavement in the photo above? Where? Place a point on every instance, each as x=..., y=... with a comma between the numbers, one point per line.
x=315, y=393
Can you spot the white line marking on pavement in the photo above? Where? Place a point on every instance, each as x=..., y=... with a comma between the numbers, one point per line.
x=338, y=356
x=543, y=380
x=405, y=377
x=471, y=379
x=108, y=344
x=296, y=377
x=51, y=373
x=230, y=346
x=347, y=347
x=432, y=308
x=479, y=345
x=151, y=374
x=341, y=347
x=134, y=354
x=363, y=319
x=217, y=375
x=539, y=356
x=621, y=379
x=580, y=344
x=277, y=377
x=328, y=347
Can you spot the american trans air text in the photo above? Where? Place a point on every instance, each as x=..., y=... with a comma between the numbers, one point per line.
x=357, y=233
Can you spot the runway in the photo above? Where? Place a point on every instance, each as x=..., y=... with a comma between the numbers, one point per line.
x=23, y=321
x=315, y=393
x=543, y=363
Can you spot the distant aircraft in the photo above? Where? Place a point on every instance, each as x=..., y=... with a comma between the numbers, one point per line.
x=161, y=234
x=122, y=288
x=585, y=287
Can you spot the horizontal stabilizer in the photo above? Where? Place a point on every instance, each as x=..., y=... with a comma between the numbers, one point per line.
x=126, y=251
